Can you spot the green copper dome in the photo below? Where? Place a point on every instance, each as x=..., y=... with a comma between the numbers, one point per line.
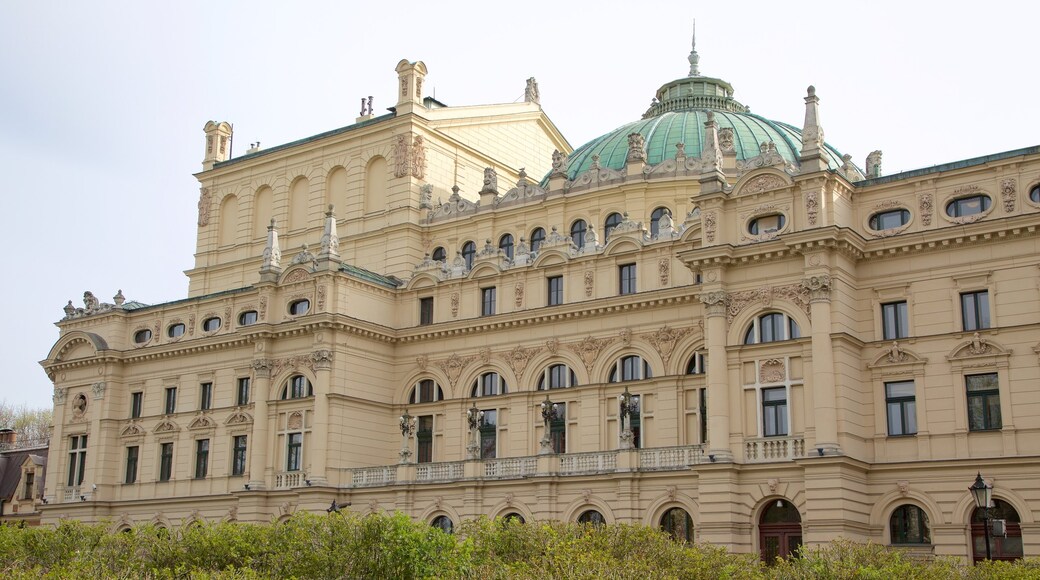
x=663, y=131
x=677, y=115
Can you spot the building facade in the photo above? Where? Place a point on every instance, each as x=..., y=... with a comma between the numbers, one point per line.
x=703, y=320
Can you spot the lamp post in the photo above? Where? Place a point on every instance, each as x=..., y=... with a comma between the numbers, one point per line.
x=473, y=418
x=983, y=495
x=548, y=414
x=407, y=424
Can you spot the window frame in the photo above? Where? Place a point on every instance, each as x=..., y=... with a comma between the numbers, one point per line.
x=552, y=374
x=776, y=409
x=294, y=451
x=133, y=455
x=179, y=326
x=205, y=396
x=579, y=228
x=248, y=318
x=488, y=430
x=201, y=458
x=439, y=254
x=625, y=367
x=554, y=286
x=904, y=405
x=424, y=438
x=165, y=461
x=239, y=454
x=753, y=224
x=77, y=460
x=242, y=391
x=958, y=204
x=488, y=300
x=136, y=404
x=212, y=321
x=974, y=314
x=170, y=401
x=904, y=514
x=612, y=221
x=469, y=251
x=505, y=244
x=537, y=238
x=989, y=420
x=425, y=310
x=294, y=389
x=299, y=307
x=627, y=279
x=655, y=220
x=143, y=336
x=417, y=396
x=900, y=320
x=875, y=222
x=790, y=327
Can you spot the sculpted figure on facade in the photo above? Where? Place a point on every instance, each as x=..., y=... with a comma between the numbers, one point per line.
x=418, y=160
x=636, y=148
x=490, y=181
x=305, y=257
x=401, y=156
x=531, y=93
x=558, y=160
x=426, y=196
x=726, y=140
x=204, y=205
x=874, y=164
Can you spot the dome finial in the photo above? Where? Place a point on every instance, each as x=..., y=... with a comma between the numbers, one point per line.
x=693, y=58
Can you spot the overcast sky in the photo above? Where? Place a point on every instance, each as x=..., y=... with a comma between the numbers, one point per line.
x=102, y=104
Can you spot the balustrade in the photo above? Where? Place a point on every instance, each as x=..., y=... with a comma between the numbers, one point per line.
x=670, y=457
x=588, y=462
x=769, y=449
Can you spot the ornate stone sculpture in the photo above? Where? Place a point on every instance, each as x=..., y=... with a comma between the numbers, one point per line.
x=531, y=94
x=874, y=164
x=418, y=159
x=812, y=206
x=636, y=148
x=490, y=181
x=401, y=156
x=896, y=354
x=204, y=205
x=726, y=140
x=558, y=169
x=1007, y=193
x=305, y=257
x=426, y=196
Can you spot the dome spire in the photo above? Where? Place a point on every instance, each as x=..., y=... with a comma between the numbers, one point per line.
x=693, y=58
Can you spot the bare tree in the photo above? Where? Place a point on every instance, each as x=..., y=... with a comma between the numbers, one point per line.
x=33, y=426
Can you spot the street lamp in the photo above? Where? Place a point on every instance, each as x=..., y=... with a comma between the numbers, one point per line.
x=983, y=495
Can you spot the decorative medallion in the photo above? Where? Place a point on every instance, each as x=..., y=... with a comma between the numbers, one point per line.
x=518, y=358
x=588, y=349
x=664, y=339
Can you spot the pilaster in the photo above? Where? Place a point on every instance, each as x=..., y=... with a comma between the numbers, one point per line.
x=824, y=396
x=259, y=438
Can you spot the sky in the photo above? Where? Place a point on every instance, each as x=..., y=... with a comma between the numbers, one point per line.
x=102, y=104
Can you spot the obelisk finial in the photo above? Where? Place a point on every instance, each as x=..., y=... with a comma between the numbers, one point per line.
x=693, y=58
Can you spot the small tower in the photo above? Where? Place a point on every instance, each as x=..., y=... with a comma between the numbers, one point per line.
x=712, y=179
x=218, y=143
x=410, y=76
x=272, y=264
x=813, y=155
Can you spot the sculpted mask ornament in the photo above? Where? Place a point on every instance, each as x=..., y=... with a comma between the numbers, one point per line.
x=490, y=181
x=726, y=139
x=636, y=148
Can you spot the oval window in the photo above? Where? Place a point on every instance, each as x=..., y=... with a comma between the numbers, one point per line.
x=888, y=220
x=767, y=224
x=246, y=318
x=299, y=307
x=967, y=206
x=1034, y=194
x=175, y=330
x=142, y=336
x=210, y=324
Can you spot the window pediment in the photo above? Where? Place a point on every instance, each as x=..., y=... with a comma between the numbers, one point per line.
x=978, y=351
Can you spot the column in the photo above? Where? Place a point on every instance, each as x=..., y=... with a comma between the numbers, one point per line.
x=718, y=369
x=319, y=438
x=824, y=396
x=258, y=439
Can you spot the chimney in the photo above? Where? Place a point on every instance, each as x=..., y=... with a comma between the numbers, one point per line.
x=8, y=437
x=218, y=143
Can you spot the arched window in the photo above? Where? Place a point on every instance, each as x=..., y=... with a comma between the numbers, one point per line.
x=426, y=391
x=888, y=220
x=1007, y=547
x=630, y=368
x=297, y=387
x=299, y=193
x=655, y=220
x=537, y=237
x=772, y=327
x=592, y=517
x=967, y=206
x=489, y=385
x=767, y=224
x=469, y=249
x=439, y=254
x=505, y=243
x=609, y=224
x=909, y=525
x=444, y=523
x=698, y=365
x=558, y=376
x=578, y=229
x=678, y=524
x=513, y=517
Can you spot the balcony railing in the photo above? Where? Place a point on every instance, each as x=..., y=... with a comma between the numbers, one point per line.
x=373, y=476
x=289, y=479
x=439, y=471
x=511, y=467
x=588, y=462
x=770, y=449
x=661, y=458
x=70, y=494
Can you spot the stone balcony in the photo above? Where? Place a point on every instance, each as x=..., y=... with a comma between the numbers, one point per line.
x=773, y=449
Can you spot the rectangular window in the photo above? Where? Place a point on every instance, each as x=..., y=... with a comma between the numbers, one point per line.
x=558, y=429
x=238, y=455
x=135, y=405
x=627, y=279
x=170, y=406
x=29, y=492
x=975, y=310
x=77, y=459
x=983, y=402
x=487, y=301
x=132, y=454
x=902, y=408
x=894, y=322
x=424, y=439
x=205, y=396
x=426, y=310
x=165, y=461
x=242, y=396
x=201, y=458
x=489, y=435
x=294, y=451
x=774, y=412
x=555, y=290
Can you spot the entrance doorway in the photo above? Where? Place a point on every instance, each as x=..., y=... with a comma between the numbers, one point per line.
x=779, y=531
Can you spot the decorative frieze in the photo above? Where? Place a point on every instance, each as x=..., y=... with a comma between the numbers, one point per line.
x=1008, y=188
x=98, y=389
x=812, y=206
x=715, y=303
x=926, y=204
x=795, y=293
x=819, y=288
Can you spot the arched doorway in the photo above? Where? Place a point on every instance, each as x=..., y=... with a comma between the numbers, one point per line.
x=779, y=531
x=1001, y=548
x=678, y=524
